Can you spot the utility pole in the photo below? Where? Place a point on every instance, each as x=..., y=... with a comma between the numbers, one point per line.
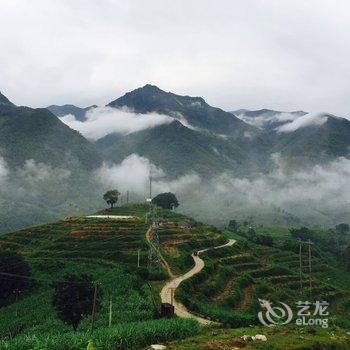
x=150, y=184
x=17, y=291
x=110, y=311
x=94, y=308
x=300, y=268
x=310, y=280
x=127, y=197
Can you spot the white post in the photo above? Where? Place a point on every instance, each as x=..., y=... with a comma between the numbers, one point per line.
x=110, y=311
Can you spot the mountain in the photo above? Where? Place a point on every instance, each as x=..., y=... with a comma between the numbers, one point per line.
x=78, y=112
x=302, y=138
x=45, y=168
x=315, y=143
x=27, y=133
x=176, y=149
x=4, y=101
x=194, y=110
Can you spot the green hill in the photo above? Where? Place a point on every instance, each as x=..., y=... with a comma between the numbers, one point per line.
x=27, y=133
x=107, y=249
x=176, y=149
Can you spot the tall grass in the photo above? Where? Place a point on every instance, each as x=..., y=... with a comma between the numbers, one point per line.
x=133, y=336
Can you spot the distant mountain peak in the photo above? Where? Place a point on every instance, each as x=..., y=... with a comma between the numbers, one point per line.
x=5, y=101
x=195, y=110
x=78, y=112
x=151, y=88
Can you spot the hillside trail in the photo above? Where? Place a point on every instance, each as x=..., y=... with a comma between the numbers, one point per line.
x=171, y=286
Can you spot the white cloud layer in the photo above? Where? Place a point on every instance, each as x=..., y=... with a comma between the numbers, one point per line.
x=132, y=174
x=268, y=117
x=3, y=170
x=303, y=121
x=318, y=194
x=102, y=121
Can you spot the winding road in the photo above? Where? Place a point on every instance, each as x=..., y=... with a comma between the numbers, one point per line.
x=170, y=286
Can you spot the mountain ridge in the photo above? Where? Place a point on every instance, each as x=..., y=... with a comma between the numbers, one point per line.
x=4, y=101
x=62, y=110
x=195, y=110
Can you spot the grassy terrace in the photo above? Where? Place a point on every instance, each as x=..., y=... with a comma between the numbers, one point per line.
x=105, y=249
x=235, y=277
x=226, y=290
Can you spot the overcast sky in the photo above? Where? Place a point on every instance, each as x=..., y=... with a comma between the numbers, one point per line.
x=285, y=55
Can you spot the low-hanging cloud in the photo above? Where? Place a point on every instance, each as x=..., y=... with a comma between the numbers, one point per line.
x=3, y=170
x=102, y=121
x=132, y=174
x=268, y=117
x=33, y=172
x=303, y=121
x=317, y=195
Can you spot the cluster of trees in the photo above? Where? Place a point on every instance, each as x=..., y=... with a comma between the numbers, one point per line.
x=263, y=239
x=302, y=233
x=336, y=242
x=166, y=200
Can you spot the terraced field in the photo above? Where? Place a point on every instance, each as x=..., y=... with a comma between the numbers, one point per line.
x=226, y=290
x=235, y=277
x=107, y=250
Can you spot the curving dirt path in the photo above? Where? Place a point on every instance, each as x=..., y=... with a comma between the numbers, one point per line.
x=170, y=286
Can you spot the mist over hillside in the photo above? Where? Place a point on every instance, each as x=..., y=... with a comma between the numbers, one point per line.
x=264, y=166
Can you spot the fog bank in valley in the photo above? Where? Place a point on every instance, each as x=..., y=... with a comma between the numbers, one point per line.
x=317, y=195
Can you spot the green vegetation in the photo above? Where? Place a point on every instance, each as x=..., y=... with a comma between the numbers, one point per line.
x=264, y=263
x=106, y=250
x=73, y=299
x=11, y=265
x=278, y=338
x=266, y=266
x=166, y=200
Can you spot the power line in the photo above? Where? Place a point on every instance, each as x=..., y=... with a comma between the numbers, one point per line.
x=39, y=278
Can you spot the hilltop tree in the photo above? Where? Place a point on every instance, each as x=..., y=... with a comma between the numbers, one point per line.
x=73, y=299
x=111, y=197
x=342, y=228
x=166, y=200
x=15, y=277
